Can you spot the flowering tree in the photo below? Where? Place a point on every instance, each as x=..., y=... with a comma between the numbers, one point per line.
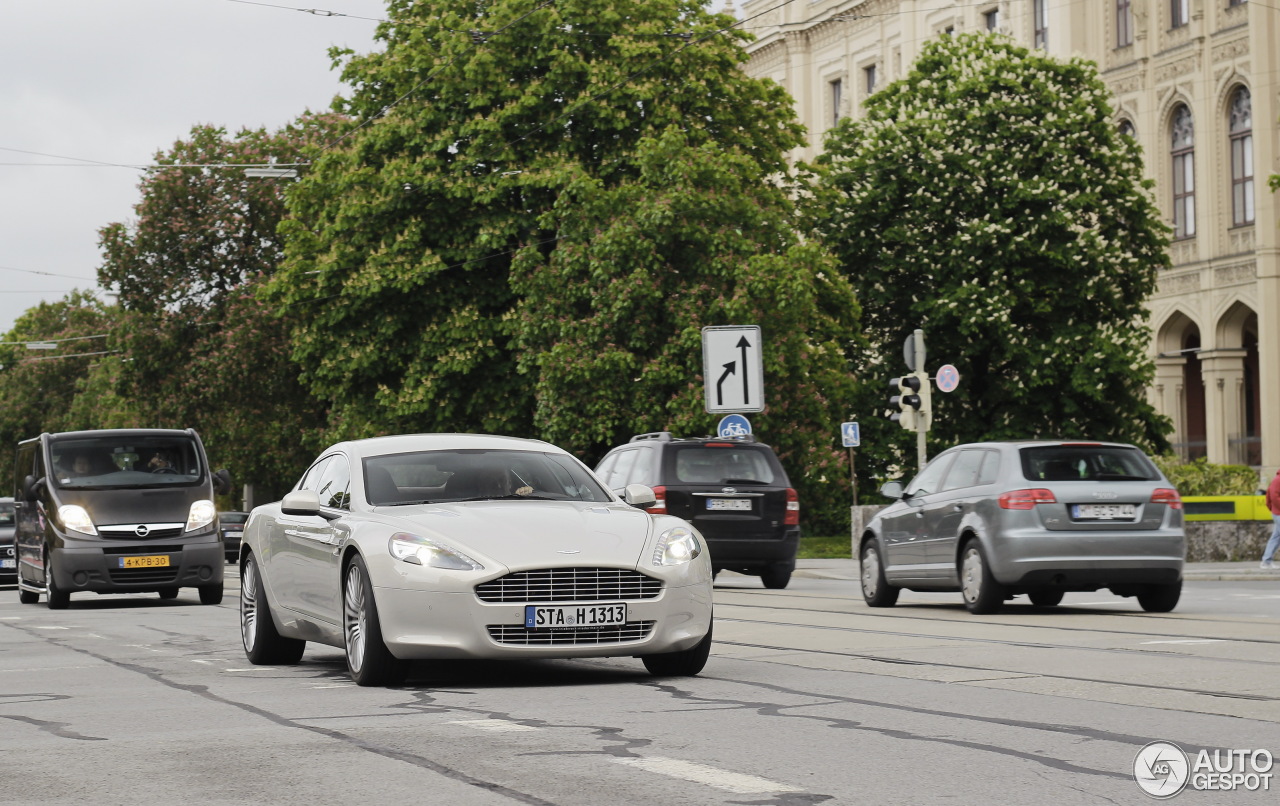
x=989, y=199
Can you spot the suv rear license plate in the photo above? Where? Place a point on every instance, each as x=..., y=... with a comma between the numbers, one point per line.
x=1103, y=512
x=574, y=617
x=156, y=561
x=730, y=504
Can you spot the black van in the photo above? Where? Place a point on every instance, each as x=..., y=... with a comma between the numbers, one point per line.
x=117, y=511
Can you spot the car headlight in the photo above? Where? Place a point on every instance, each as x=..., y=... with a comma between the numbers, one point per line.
x=677, y=546
x=76, y=519
x=423, y=551
x=201, y=515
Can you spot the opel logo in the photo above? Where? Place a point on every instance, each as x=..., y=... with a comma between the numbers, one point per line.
x=729, y=490
x=142, y=530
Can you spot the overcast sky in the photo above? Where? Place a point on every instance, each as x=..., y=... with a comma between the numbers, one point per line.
x=115, y=81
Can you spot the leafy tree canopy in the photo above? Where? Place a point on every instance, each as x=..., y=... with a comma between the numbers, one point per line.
x=989, y=199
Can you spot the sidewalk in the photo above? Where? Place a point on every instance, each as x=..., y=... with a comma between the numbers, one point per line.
x=1230, y=572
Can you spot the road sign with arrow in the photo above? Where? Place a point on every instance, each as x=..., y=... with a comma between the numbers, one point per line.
x=732, y=368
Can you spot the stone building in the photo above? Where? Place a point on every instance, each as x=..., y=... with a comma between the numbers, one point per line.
x=1197, y=82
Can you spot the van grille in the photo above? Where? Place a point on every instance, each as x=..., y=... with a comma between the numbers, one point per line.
x=570, y=585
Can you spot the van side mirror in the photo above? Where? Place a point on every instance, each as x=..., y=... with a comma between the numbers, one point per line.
x=222, y=482
x=892, y=489
x=639, y=496
x=301, y=502
x=32, y=487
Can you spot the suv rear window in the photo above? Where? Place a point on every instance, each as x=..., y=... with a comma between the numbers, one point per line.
x=1086, y=463
x=703, y=464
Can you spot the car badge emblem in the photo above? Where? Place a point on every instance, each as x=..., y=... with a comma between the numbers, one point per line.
x=729, y=490
x=1106, y=496
x=568, y=551
x=142, y=530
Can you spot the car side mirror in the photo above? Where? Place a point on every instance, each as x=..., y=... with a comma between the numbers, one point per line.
x=892, y=489
x=222, y=482
x=32, y=487
x=301, y=502
x=639, y=496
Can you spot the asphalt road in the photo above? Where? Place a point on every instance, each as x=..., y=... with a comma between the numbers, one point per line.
x=809, y=697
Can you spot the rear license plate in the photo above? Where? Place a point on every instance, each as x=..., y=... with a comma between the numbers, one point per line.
x=155, y=561
x=7, y=563
x=729, y=504
x=574, y=617
x=1103, y=512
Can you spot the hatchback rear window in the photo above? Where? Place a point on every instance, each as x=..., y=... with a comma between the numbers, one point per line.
x=696, y=464
x=1086, y=463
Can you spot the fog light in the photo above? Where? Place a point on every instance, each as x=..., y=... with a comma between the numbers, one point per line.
x=80, y=578
x=205, y=572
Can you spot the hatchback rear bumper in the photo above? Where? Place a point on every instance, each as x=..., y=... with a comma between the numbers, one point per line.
x=1088, y=561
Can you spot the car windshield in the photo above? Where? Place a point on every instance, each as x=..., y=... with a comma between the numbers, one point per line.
x=437, y=477
x=1086, y=463
x=722, y=464
x=6, y=513
x=120, y=461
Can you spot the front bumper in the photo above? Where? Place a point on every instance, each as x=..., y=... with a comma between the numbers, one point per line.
x=98, y=568
x=420, y=624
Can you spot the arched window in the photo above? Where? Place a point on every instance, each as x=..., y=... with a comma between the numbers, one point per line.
x=1241, y=129
x=1184, y=174
x=1126, y=128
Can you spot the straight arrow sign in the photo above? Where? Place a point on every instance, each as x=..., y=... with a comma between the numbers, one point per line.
x=733, y=350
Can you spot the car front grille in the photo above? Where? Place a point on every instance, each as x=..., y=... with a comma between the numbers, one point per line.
x=570, y=585
x=515, y=634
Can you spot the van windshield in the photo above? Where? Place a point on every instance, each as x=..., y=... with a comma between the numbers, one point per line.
x=120, y=461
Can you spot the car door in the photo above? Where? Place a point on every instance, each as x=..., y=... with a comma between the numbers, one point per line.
x=905, y=532
x=316, y=544
x=282, y=566
x=945, y=512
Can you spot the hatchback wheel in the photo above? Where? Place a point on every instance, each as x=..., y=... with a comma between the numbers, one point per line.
x=263, y=644
x=1045, y=598
x=368, y=659
x=982, y=594
x=875, y=589
x=1160, y=598
x=685, y=663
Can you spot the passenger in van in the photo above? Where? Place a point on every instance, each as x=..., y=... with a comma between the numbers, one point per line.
x=81, y=466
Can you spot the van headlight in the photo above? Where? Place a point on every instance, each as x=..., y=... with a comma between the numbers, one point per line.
x=201, y=515
x=677, y=546
x=424, y=551
x=76, y=519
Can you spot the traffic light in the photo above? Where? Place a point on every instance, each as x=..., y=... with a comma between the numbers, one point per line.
x=907, y=402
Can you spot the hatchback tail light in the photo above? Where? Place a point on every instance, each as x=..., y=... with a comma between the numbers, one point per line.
x=793, y=509
x=660, y=505
x=1169, y=498
x=1026, y=499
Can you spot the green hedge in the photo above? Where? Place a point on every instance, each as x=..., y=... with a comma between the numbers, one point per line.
x=1202, y=478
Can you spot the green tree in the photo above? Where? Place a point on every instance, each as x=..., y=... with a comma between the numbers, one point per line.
x=989, y=199
x=203, y=351
x=610, y=324
x=478, y=117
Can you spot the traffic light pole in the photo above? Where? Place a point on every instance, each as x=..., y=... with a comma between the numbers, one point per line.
x=925, y=414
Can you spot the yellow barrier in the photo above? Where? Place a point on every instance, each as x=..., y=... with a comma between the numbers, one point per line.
x=1225, y=508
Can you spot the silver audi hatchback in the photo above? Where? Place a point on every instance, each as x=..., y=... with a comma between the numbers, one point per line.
x=995, y=520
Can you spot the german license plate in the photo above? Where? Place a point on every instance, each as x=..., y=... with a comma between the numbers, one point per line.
x=729, y=504
x=1103, y=512
x=153, y=561
x=574, y=617
x=7, y=563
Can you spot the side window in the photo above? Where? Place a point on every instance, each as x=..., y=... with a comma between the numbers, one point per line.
x=626, y=460
x=311, y=479
x=642, y=471
x=964, y=470
x=24, y=465
x=333, y=483
x=990, y=468
x=930, y=479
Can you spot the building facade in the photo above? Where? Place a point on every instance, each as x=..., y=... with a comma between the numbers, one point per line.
x=1197, y=83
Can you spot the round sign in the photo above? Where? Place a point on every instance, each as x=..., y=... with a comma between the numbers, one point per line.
x=733, y=425
x=948, y=378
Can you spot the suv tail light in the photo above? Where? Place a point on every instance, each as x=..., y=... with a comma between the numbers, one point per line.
x=1169, y=498
x=1026, y=499
x=660, y=506
x=793, y=509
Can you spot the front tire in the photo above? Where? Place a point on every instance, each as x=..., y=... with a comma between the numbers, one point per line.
x=685, y=663
x=55, y=597
x=1160, y=598
x=876, y=590
x=368, y=659
x=211, y=594
x=982, y=594
x=776, y=577
x=263, y=644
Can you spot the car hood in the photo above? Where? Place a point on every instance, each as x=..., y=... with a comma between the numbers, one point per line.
x=534, y=534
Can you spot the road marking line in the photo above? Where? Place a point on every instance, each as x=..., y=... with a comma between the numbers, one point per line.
x=504, y=725
x=47, y=627
x=345, y=685
x=1189, y=641
x=702, y=774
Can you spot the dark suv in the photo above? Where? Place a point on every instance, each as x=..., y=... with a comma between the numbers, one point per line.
x=734, y=491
